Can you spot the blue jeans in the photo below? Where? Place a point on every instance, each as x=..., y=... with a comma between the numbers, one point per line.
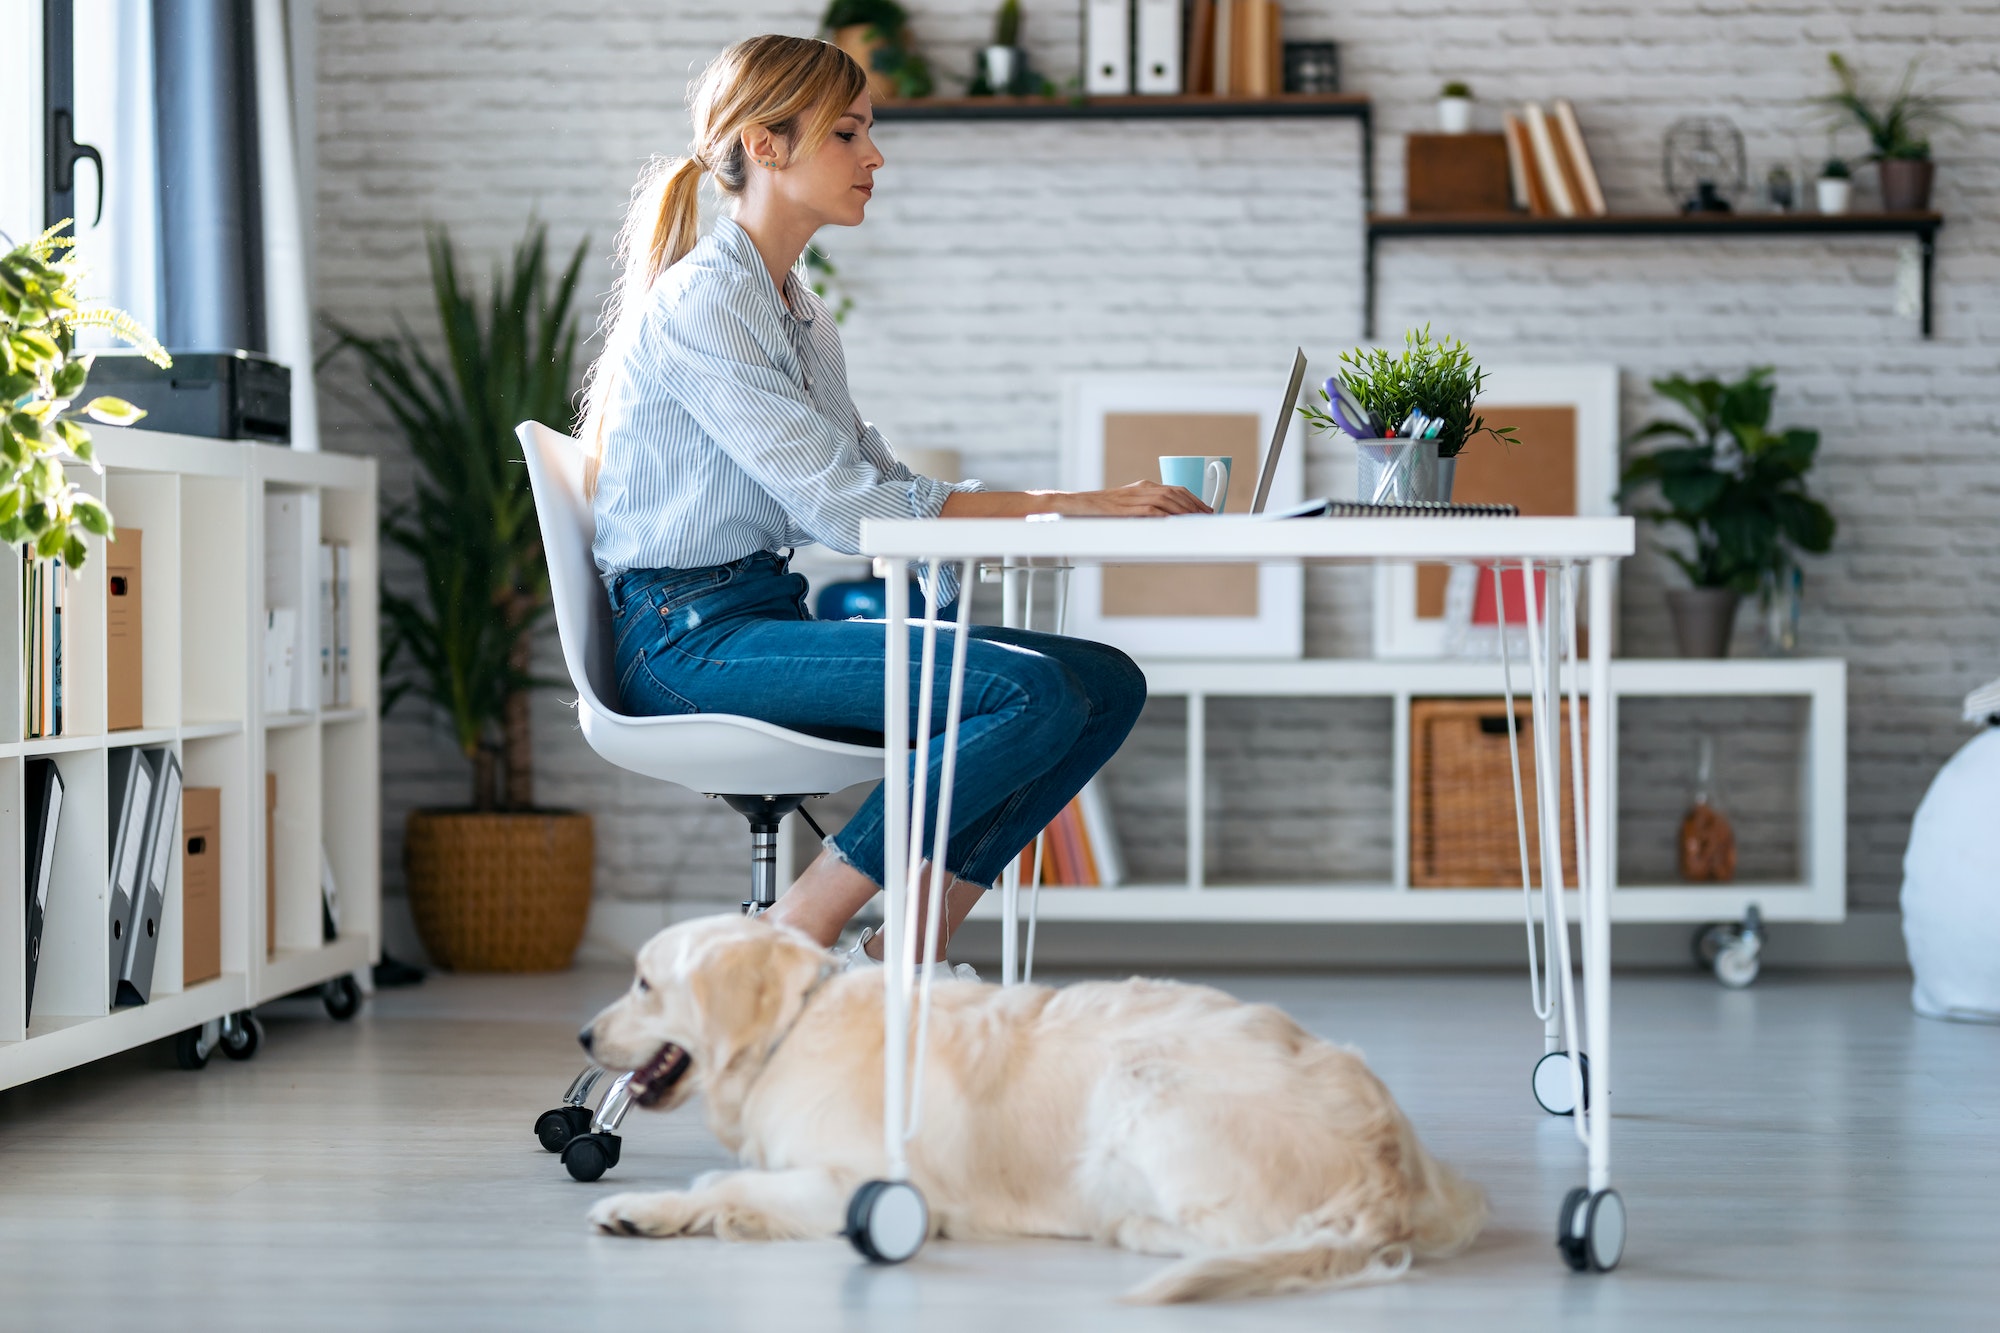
x=1041, y=713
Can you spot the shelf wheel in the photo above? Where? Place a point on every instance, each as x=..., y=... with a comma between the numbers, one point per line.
x=242, y=1035
x=342, y=998
x=1732, y=950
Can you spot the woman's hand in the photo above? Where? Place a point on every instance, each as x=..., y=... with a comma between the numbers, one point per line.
x=1141, y=499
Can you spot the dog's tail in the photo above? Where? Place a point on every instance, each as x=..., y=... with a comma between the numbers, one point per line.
x=1318, y=1259
x=1446, y=1216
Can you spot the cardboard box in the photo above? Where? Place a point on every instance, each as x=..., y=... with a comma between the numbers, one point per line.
x=125, y=657
x=271, y=865
x=1457, y=174
x=201, y=884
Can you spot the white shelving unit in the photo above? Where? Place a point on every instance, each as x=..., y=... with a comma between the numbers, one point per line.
x=200, y=504
x=1819, y=893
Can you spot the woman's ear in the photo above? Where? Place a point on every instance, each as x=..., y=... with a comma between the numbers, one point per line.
x=764, y=148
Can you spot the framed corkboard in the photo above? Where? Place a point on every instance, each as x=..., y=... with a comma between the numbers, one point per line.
x=1116, y=428
x=1566, y=462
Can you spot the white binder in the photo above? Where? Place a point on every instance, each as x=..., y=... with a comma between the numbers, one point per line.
x=1158, y=46
x=130, y=785
x=1107, y=47
x=142, y=938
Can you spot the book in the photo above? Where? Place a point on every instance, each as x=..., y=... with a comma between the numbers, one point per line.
x=124, y=631
x=1200, y=64
x=1108, y=857
x=1518, y=151
x=1590, y=194
x=1548, y=162
x=1225, y=28
x=43, y=791
x=1255, y=54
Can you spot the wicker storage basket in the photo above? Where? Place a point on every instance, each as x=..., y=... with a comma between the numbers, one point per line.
x=499, y=892
x=1462, y=832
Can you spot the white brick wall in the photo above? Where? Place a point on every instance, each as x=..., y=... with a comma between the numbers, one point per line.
x=998, y=257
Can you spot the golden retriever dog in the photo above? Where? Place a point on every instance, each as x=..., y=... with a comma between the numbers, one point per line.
x=1164, y=1118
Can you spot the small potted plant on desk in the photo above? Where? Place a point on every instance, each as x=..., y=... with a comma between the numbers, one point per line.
x=1738, y=488
x=1896, y=130
x=1409, y=414
x=501, y=886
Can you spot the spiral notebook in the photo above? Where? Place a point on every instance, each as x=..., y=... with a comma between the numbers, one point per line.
x=1327, y=508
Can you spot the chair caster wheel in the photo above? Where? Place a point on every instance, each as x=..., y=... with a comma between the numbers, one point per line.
x=242, y=1035
x=1551, y=1083
x=588, y=1156
x=1590, y=1230
x=555, y=1128
x=887, y=1221
x=341, y=997
x=190, y=1051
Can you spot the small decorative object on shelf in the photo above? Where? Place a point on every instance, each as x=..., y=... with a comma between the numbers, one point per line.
x=1704, y=164
x=1410, y=414
x=1312, y=67
x=1897, y=129
x=42, y=381
x=1834, y=188
x=877, y=34
x=1780, y=189
x=1003, y=66
x=1737, y=487
x=1708, y=842
x=1781, y=594
x=1455, y=107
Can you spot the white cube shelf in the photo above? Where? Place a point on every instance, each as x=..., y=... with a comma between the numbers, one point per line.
x=200, y=505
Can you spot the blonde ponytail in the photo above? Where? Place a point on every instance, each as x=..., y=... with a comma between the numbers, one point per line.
x=796, y=87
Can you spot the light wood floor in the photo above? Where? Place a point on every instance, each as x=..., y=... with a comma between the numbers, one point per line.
x=1806, y=1155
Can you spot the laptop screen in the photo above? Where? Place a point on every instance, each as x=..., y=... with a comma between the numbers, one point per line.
x=1269, y=473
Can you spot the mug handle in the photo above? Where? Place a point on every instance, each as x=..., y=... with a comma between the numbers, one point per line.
x=1215, y=484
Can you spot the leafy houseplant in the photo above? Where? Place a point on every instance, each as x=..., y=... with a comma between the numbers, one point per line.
x=877, y=34
x=1898, y=130
x=1834, y=187
x=1455, y=107
x=1003, y=65
x=41, y=378
x=1738, y=490
x=465, y=638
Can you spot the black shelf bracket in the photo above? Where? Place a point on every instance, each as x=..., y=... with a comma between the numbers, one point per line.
x=1923, y=227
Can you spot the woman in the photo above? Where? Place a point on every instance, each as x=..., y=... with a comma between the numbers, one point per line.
x=723, y=434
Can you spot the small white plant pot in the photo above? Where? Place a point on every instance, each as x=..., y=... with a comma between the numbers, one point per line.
x=1003, y=66
x=1833, y=193
x=1454, y=114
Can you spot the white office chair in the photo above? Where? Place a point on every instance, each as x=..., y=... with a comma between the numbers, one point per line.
x=764, y=772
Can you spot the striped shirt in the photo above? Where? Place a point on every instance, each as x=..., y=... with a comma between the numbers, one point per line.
x=728, y=425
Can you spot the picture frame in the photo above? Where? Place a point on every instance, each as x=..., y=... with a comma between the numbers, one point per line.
x=1115, y=426
x=1569, y=409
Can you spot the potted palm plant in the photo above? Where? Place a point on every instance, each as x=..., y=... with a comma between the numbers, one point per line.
x=1738, y=490
x=1897, y=130
x=500, y=885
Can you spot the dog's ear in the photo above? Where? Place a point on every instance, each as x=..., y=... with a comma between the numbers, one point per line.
x=743, y=988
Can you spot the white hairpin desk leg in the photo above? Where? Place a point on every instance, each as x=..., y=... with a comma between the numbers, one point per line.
x=1010, y=878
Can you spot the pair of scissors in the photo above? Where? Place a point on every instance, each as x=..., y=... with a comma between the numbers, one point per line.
x=1355, y=419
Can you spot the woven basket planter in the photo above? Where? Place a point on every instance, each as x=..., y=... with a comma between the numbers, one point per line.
x=499, y=892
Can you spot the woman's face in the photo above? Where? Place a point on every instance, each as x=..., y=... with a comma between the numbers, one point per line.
x=830, y=187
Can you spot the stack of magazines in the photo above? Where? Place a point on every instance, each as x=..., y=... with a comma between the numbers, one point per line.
x=42, y=595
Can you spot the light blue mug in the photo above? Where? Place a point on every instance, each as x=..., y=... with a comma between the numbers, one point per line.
x=1205, y=475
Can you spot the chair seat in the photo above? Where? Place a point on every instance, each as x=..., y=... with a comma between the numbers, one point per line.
x=725, y=755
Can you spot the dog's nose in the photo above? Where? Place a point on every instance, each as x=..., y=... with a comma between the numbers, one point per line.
x=583, y=1038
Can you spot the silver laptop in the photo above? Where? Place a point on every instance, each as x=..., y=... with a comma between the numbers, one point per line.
x=1269, y=473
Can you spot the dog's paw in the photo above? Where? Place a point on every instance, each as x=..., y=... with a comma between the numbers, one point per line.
x=642, y=1215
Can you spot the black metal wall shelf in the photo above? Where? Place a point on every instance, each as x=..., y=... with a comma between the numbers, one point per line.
x=1922, y=226
x=1344, y=106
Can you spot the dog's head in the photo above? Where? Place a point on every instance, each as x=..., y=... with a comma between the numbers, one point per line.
x=707, y=994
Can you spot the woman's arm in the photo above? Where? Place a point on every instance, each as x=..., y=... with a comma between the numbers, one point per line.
x=1141, y=499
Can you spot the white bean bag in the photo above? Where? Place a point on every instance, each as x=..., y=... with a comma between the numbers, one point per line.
x=1951, y=888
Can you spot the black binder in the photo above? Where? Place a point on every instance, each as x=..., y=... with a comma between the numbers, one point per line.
x=142, y=935
x=43, y=799
x=130, y=788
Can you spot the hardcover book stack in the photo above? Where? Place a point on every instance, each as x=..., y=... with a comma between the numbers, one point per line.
x=1079, y=847
x=1549, y=165
x=43, y=591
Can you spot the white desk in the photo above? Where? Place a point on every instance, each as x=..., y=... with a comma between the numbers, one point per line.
x=1591, y=1228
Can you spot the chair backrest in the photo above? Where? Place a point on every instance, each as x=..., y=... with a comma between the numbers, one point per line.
x=583, y=612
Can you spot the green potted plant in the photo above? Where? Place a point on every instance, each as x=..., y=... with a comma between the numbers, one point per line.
x=500, y=885
x=1737, y=489
x=1003, y=63
x=1835, y=186
x=1455, y=107
x=42, y=378
x=1897, y=129
x=877, y=34
x=1410, y=414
